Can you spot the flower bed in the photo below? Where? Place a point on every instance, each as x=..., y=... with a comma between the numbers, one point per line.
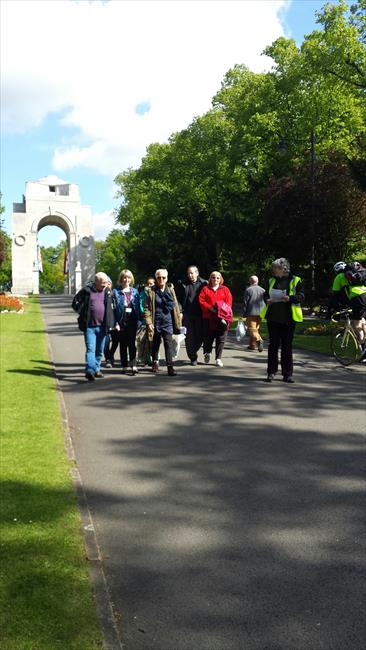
x=321, y=329
x=11, y=304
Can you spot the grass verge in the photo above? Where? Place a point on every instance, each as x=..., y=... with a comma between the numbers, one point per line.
x=46, y=597
x=311, y=342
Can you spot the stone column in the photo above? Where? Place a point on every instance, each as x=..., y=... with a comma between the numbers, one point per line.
x=78, y=281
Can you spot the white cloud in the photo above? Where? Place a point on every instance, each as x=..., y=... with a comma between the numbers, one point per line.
x=96, y=61
x=104, y=222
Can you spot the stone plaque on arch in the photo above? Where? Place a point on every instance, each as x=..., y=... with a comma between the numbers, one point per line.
x=51, y=202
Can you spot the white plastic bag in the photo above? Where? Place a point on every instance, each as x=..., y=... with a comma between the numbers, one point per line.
x=240, y=330
x=177, y=341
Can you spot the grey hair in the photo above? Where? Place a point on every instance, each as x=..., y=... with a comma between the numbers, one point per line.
x=253, y=279
x=283, y=263
x=102, y=276
x=161, y=271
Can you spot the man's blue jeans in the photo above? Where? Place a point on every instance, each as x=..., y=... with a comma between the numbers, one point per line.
x=94, y=343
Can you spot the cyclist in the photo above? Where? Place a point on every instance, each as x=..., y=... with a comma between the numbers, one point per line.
x=349, y=290
x=338, y=298
x=355, y=289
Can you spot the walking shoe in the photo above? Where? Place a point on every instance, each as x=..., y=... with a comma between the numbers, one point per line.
x=108, y=364
x=194, y=362
x=134, y=370
x=219, y=363
x=171, y=371
x=99, y=374
x=288, y=380
x=260, y=346
x=207, y=357
x=89, y=376
x=155, y=366
x=270, y=378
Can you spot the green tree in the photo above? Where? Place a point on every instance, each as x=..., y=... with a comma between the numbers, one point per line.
x=203, y=196
x=111, y=254
x=336, y=227
x=51, y=279
x=5, y=253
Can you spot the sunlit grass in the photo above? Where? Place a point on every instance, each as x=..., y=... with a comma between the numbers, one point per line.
x=46, y=597
x=312, y=342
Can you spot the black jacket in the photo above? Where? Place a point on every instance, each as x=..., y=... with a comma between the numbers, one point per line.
x=81, y=304
x=187, y=294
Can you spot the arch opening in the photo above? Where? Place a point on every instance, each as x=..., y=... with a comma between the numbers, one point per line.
x=53, y=246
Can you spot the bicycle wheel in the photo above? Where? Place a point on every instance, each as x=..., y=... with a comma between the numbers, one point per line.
x=345, y=347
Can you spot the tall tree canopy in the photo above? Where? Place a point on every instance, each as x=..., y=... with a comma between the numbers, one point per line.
x=279, y=159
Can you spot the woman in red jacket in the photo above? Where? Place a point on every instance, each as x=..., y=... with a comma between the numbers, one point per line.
x=216, y=302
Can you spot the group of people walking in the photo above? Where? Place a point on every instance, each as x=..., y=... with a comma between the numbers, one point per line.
x=111, y=318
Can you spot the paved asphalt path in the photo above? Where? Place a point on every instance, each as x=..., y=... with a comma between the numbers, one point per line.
x=229, y=512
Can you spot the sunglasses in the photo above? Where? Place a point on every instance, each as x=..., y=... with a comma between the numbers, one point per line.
x=161, y=277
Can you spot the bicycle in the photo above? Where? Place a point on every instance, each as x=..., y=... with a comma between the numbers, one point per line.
x=345, y=346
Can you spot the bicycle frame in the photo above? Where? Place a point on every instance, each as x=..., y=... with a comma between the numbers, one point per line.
x=345, y=344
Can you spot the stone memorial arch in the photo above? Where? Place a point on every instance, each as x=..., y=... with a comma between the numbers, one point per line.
x=51, y=202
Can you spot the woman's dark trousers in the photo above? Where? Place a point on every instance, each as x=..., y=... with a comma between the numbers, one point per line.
x=209, y=336
x=127, y=342
x=280, y=336
x=111, y=346
x=168, y=346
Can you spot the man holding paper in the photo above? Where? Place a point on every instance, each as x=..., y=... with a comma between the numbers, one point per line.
x=282, y=311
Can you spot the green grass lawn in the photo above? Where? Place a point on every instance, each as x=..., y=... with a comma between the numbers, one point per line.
x=312, y=342
x=46, y=598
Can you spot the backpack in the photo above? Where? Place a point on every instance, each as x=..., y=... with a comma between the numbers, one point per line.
x=355, y=274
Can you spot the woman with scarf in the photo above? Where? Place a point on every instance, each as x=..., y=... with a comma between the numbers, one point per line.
x=129, y=316
x=216, y=303
x=162, y=318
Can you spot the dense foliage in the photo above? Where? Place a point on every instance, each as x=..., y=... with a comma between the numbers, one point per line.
x=5, y=254
x=52, y=278
x=276, y=167
x=110, y=254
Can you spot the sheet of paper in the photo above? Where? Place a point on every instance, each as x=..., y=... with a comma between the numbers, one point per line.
x=277, y=294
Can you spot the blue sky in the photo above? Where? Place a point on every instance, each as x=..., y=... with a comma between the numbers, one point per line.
x=87, y=112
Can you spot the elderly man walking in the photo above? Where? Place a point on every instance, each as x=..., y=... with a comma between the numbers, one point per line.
x=95, y=305
x=253, y=304
x=188, y=295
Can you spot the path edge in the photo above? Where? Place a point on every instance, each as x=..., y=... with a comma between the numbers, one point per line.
x=102, y=598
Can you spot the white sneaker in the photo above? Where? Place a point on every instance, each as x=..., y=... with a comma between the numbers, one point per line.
x=219, y=363
x=134, y=370
x=207, y=357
